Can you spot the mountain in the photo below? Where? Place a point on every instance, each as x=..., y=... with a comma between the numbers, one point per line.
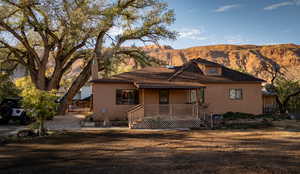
x=253, y=59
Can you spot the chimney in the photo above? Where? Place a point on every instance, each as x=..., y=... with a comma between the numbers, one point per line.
x=95, y=68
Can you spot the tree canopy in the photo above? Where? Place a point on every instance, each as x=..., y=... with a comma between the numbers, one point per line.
x=287, y=93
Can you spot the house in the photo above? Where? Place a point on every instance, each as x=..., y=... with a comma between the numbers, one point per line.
x=184, y=91
x=83, y=93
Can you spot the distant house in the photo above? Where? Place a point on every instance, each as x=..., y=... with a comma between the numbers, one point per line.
x=168, y=92
x=269, y=101
x=83, y=93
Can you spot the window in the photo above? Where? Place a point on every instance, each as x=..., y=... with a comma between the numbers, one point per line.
x=193, y=96
x=163, y=96
x=202, y=95
x=236, y=94
x=127, y=96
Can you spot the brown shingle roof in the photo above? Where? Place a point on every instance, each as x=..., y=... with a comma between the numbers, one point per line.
x=183, y=76
x=168, y=85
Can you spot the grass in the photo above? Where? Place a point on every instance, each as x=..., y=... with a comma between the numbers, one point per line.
x=169, y=151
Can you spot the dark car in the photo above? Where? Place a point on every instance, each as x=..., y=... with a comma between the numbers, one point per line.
x=11, y=109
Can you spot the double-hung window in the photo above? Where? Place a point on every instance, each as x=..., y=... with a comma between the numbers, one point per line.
x=193, y=95
x=127, y=97
x=236, y=93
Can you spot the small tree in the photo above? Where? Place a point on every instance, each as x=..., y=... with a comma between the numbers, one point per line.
x=287, y=92
x=38, y=104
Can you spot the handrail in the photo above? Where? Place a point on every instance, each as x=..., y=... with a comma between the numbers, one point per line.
x=134, y=115
x=137, y=108
x=134, y=107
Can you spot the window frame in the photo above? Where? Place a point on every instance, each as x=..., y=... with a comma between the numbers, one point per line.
x=201, y=96
x=135, y=98
x=235, y=97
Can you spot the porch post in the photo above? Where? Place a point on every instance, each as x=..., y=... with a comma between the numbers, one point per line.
x=170, y=111
x=143, y=97
x=143, y=102
x=197, y=102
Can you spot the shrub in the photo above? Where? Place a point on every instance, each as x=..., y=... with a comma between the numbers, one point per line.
x=237, y=115
x=39, y=104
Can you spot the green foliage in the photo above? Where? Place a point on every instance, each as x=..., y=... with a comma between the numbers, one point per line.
x=7, y=88
x=283, y=88
x=39, y=104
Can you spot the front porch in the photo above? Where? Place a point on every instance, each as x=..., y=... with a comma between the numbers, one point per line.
x=158, y=116
x=169, y=108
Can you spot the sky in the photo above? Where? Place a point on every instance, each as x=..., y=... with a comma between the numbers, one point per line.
x=259, y=22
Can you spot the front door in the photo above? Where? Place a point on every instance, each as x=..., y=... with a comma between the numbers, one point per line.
x=163, y=102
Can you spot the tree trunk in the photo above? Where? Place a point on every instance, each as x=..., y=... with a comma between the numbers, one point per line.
x=75, y=87
x=281, y=107
x=41, y=131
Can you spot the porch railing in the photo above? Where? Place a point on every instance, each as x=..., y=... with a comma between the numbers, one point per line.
x=168, y=112
x=136, y=114
x=171, y=111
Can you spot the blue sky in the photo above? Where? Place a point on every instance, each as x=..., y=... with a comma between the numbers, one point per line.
x=209, y=22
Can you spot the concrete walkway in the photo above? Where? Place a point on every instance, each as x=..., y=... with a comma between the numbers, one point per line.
x=67, y=122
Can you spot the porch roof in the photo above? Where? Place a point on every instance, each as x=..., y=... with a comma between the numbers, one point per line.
x=169, y=85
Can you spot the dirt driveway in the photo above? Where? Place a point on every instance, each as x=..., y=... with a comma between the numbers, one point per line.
x=6, y=130
x=116, y=151
x=69, y=122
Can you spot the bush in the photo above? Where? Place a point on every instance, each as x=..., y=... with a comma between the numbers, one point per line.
x=237, y=115
x=39, y=104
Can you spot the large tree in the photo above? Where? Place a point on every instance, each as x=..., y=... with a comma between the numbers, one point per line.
x=286, y=90
x=60, y=32
x=287, y=93
x=7, y=88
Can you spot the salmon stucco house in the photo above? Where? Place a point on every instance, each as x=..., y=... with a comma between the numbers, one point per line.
x=182, y=92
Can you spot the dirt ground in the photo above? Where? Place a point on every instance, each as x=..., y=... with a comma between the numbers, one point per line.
x=153, y=152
